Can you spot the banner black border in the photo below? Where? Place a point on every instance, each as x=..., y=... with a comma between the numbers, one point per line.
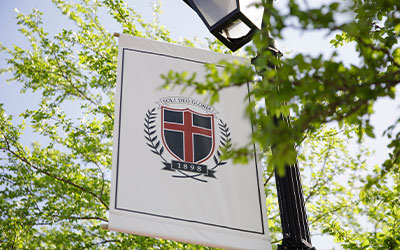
x=118, y=150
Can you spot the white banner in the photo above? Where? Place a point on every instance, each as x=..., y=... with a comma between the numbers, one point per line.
x=168, y=179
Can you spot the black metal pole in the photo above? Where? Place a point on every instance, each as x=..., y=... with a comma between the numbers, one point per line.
x=296, y=235
x=294, y=221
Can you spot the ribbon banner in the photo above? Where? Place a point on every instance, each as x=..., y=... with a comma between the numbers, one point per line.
x=169, y=179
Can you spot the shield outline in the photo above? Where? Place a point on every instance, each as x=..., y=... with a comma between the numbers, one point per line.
x=193, y=112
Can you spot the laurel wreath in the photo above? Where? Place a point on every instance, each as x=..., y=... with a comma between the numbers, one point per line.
x=150, y=131
x=155, y=145
x=226, y=144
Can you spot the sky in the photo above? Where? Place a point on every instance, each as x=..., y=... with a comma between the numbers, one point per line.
x=183, y=22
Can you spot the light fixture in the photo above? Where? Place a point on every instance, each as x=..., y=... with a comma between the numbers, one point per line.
x=233, y=22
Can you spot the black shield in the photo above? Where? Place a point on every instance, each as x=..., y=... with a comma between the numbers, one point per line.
x=188, y=135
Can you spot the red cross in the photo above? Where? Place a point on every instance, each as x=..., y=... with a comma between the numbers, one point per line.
x=188, y=130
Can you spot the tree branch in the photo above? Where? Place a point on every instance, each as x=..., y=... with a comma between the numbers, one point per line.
x=268, y=178
x=66, y=181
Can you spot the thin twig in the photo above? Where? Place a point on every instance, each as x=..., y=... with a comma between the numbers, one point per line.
x=69, y=182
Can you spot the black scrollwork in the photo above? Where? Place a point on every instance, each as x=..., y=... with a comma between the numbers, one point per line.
x=226, y=145
x=149, y=130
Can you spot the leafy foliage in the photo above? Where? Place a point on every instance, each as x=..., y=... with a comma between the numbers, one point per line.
x=55, y=194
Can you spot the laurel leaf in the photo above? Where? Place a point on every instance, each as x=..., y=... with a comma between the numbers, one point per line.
x=147, y=138
x=155, y=152
x=161, y=150
x=222, y=143
x=150, y=122
x=154, y=138
x=152, y=132
x=215, y=160
x=218, y=153
x=222, y=163
x=147, y=126
x=157, y=144
x=152, y=127
x=211, y=173
x=150, y=145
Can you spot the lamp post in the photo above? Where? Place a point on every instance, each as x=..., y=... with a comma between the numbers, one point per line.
x=234, y=22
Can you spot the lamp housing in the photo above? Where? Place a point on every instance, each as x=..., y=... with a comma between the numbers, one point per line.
x=233, y=22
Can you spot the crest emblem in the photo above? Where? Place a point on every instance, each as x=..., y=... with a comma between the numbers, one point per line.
x=189, y=138
x=188, y=135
